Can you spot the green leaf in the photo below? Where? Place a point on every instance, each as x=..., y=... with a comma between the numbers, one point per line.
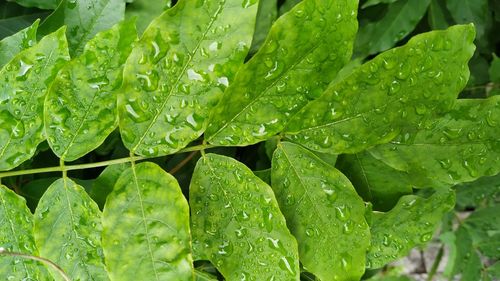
x=41, y=4
x=287, y=5
x=463, y=258
x=16, y=228
x=374, y=180
x=303, y=52
x=22, y=40
x=84, y=19
x=438, y=15
x=145, y=11
x=266, y=15
x=237, y=224
x=464, y=143
x=146, y=216
x=203, y=276
x=410, y=223
x=80, y=107
x=484, y=228
x=494, y=69
x=178, y=71
x=475, y=11
x=14, y=18
x=401, y=18
x=68, y=231
x=399, y=87
x=323, y=212
x=24, y=85
x=104, y=183
x=484, y=191
x=370, y=3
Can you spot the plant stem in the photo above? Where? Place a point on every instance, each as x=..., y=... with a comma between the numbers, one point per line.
x=35, y=258
x=183, y=163
x=436, y=263
x=64, y=168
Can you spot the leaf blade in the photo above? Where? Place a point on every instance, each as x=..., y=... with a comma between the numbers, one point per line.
x=12, y=45
x=330, y=211
x=252, y=218
x=159, y=233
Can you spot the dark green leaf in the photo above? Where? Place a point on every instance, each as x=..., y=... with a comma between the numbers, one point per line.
x=80, y=107
x=16, y=235
x=370, y=3
x=410, y=223
x=178, y=71
x=463, y=258
x=323, y=212
x=374, y=180
x=237, y=224
x=14, y=18
x=400, y=87
x=266, y=15
x=22, y=40
x=475, y=11
x=401, y=18
x=42, y=4
x=104, y=183
x=287, y=5
x=464, y=145
x=494, y=70
x=438, y=15
x=482, y=192
x=303, y=52
x=146, y=216
x=68, y=231
x=24, y=85
x=84, y=19
x=484, y=228
x=145, y=11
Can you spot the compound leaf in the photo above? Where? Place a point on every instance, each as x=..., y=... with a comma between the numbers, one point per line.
x=84, y=19
x=303, y=52
x=68, y=231
x=16, y=227
x=410, y=223
x=22, y=40
x=41, y=4
x=178, y=71
x=401, y=18
x=376, y=181
x=465, y=145
x=146, y=216
x=399, y=87
x=323, y=212
x=80, y=107
x=235, y=215
x=25, y=80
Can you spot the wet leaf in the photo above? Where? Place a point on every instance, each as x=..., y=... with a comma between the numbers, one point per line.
x=302, y=54
x=146, y=216
x=80, y=107
x=24, y=85
x=234, y=214
x=401, y=18
x=410, y=223
x=145, y=11
x=398, y=88
x=16, y=227
x=22, y=40
x=465, y=145
x=68, y=231
x=375, y=181
x=178, y=71
x=84, y=19
x=323, y=212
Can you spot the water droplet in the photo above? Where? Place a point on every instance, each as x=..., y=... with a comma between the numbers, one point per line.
x=193, y=75
x=426, y=237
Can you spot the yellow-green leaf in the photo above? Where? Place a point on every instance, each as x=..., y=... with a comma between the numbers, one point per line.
x=323, y=211
x=237, y=224
x=146, y=227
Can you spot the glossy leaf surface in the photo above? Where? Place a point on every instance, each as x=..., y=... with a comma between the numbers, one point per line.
x=80, y=107
x=22, y=40
x=146, y=216
x=401, y=18
x=237, y=224
x=16, y=228
x=399, y=87
x=375, y=181
x=84, y=19
x=68, y=231
x=465, y=143
x=23, y=88
x=303, y=52
x=410, y=223
x=323, y=212
x=178, y=71
x=145, y=11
